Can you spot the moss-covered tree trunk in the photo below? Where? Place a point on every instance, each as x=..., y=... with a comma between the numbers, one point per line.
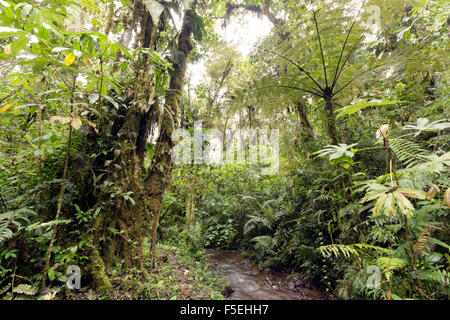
x=119, y=230
x=161, y=167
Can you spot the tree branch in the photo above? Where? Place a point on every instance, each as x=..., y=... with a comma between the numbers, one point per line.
x=258, y=9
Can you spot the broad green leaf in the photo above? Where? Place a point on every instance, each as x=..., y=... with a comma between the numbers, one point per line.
x=404, y=204
x=434, y=257
x=402, y=33
x=440, y=243
x=39, y=64
x=413, y=193
x=336, y=151
x=111, y=100
x=121, y=48
x=353, y=108
x=4, y=3
x=19, y=44
x=51, y=274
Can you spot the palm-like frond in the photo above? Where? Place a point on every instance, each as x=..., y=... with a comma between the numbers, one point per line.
x=337, y=151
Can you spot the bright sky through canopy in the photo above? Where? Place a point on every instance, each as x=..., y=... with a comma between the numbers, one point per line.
x=243, y=32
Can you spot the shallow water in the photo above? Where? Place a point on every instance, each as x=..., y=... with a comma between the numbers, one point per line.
x=249, y=283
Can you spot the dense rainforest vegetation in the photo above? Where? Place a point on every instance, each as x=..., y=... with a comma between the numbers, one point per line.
x=342, y=180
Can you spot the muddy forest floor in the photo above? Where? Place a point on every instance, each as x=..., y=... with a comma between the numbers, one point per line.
x=178, y=275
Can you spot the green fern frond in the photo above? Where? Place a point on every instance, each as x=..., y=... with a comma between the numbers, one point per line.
x=5, y=232
x=5, y=288
x=350, y=250
x=254, y=221
x=388, y=265
x=337, y=250
x=25, y=289
x=366, y=248
x=438, y=276
x=322, y=197
x=408, y=152
x=266, y=243
x=441, y=140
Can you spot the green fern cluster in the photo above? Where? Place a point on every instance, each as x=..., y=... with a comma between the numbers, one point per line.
x=18, y=217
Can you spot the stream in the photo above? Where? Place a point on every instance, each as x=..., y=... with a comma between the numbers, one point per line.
x=249, y=283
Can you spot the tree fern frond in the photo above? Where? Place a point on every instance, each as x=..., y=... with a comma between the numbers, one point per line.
x=264, y=242
x=254, y=221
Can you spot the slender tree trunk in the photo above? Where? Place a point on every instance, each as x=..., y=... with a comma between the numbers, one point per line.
x=224, y=135
x=304, y=121
x=63, y=188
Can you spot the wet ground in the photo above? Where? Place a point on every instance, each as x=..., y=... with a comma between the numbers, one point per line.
x=249, y=283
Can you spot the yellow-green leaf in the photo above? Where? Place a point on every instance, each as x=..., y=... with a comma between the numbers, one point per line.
x=6, y=108
x=413, y=193
x=406, y=207
x=87, y=60
x=70, y=59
